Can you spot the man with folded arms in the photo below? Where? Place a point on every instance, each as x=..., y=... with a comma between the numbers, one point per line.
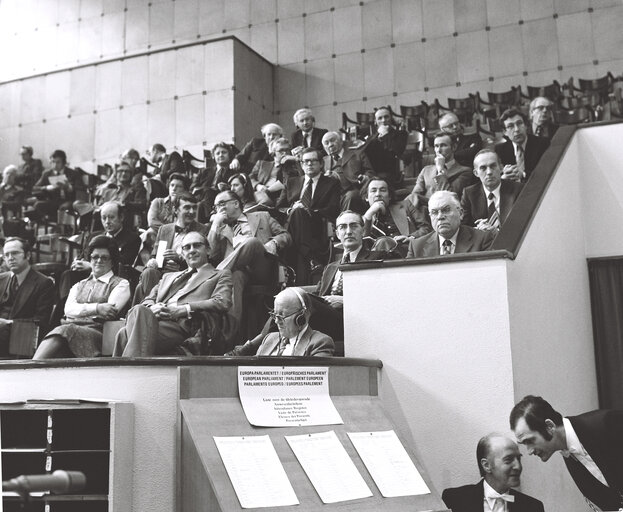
x=499, y=463
x=165, y=318
x=449, y=236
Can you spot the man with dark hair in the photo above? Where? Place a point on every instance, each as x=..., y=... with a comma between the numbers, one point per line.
x=521, y=151
x=166, y=163
x=499, y=463
x=311, y=201
x=167, y=317
x=213, y=178
x=351, y=167
x=487, y=204
x=25, y=294
x=445, y=174
x=132, y=157
x=466, y=146
x=590, y=443
x=449, y=236
x=29, y=171
x=165, y=254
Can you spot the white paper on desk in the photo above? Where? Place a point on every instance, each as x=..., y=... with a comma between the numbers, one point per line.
x=162, y=246
x=389, y=463
x=286, y=396
x=60, y=179
x=328, y=466
x=256, y=471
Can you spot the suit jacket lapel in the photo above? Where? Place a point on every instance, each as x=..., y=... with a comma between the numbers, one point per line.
x=23, y=293
x=505, y=202
x=432, y=245
x=397, y=211
x=301, y=345
x=348, y=154
x=254, y=223
x=297, y=187
x=453, y=171
x=321, y=189
x=330, y=276
x=202, y=275
x=463, y=240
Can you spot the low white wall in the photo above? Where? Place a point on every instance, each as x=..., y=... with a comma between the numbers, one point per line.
x=443, y=336
x=153, y=390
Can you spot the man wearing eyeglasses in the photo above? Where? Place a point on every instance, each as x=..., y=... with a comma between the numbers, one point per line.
x=167, y=317
x=449, y=236
x=541, y=118
x=521, y=151
x=166, y=256
x=245, y=243
x=311, y=201
x=466, y=146
x=25, y=294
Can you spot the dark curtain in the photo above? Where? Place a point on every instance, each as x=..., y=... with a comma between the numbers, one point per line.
x=606, y=284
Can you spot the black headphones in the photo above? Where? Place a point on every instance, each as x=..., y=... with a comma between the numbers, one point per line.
x=299, y=319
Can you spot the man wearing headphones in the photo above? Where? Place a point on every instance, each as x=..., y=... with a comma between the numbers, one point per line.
x=295, y=337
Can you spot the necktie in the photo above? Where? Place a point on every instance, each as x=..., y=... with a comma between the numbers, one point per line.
x=237, y=229
x=307, y=138
x=519, y=156
x=539, y=130
x=179, y=229
x=179, y=282
x=306, y=198
x=335, y=161
x=447, y=247
x=283, y=343
x=13, y=287
x=338, y=282
x=494, y=215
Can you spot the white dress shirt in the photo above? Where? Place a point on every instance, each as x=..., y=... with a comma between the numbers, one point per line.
x=314, y=185
x=452, y=239
x=496, y=194
x=492, y=500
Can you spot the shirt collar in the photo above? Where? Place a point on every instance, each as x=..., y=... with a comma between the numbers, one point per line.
x=491, y=494
x=113, y=235
x=574, y=446
x=352, y=255
x=496, y=192
x=105, y=278
x=452, y=239
x=314, y=179
x=523, y=146
x=295, y=340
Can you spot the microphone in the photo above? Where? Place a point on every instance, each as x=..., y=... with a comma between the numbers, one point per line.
x=60, y=482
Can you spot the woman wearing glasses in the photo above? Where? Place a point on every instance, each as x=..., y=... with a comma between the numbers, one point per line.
x=92, y=301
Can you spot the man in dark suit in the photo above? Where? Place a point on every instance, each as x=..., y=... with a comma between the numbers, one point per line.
x=171, y=235
x=590, y=443
x=306, y=135
x=542, y=118
x=351, y=167
x=294, y=336
x=256, y=149
x=499, y=463
x=167, y=163
x=29, y=171
x=487, y=204
x=449, y=236
x=213, y=179
x=521, y=151
x=465, y=146
x=385, y=148
x=392, y=224
x=165, y=318
x=311, y=201
x=25, y=294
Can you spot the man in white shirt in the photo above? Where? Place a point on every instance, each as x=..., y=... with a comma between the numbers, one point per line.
x=499, y=463
x=591, y=444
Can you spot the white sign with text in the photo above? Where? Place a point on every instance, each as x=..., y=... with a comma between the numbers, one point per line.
x=286, y=396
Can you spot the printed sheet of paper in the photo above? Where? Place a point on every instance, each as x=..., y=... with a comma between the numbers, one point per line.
x=162, y=246
x=286, y=396
x=389, y=463
x=256, y=471
x=328, y=466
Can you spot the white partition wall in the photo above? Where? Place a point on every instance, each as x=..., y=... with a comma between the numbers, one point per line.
x=462, y=342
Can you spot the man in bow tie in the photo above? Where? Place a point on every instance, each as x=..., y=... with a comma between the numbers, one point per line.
x=499, y=463
x=591, y=445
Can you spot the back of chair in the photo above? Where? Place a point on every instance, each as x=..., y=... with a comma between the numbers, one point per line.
x=551, y=91
x=576, y=116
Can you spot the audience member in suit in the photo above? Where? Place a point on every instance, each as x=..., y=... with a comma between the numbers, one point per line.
x=591, y=445
x=25, y=294
x=542, y=118
x=185, y=205
x=59, y=188
x=213, y=179
x=487, y=204
x=245, y=243
x=256, y=149
x=102, y=296
x=466, y=146
x=521, y=151
x=132, y=157
x=127, y=242
x=29, y=171
x=123, y=188
x=392, y=224
x=167, y=163
x=312, y=201
x=306, y=134
x=449, y=236
x=445, y=174
x=351, y=167
x=294, y=337
x=385, y=148
x=268, y=177
x=499, y=463
x=168, y=316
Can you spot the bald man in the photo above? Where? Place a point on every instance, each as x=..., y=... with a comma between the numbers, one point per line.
x=499, y=463
x=256, y=149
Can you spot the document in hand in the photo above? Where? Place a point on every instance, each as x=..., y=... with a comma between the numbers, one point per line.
x=389, y=464
x=255, y=471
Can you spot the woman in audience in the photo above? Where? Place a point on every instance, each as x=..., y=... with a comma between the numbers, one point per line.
x=102, y=296
x=240, y=185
